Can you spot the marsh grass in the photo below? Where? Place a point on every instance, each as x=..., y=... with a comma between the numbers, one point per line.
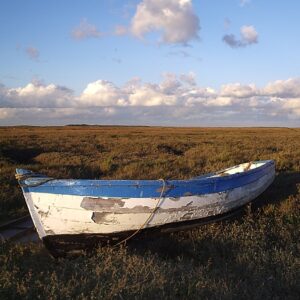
x=254, y=256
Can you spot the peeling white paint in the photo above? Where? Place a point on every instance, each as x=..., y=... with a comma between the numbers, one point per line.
x=63, y=214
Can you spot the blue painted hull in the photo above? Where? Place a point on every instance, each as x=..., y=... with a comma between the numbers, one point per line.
x=144, y=188
x=84, y=211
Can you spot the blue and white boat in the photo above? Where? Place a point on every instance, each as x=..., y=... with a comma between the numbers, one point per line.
x=63, y=209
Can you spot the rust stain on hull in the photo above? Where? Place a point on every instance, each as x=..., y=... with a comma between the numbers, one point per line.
x=165, y=189
x=94, y=204
x=99, y=217
x=187, y=216
x=174, y=198
x=188, y=209
x=188, y=194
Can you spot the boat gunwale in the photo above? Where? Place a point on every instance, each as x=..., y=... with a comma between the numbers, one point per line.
x=209, y=179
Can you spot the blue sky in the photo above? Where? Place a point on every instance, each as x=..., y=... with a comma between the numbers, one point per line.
x=202, y=62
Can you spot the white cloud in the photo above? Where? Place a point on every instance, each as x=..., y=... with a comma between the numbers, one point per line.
x=36, y=95
x=175, y=19
x=189, y=78
x=151, y=95
x=85, y=30
x=178, y=97
x=219, y=101
x=102, y=93
x=292, y=106
x=238, y=90
x=198, y=96
x=170, y=84
x=284, y=88
x=249, y=36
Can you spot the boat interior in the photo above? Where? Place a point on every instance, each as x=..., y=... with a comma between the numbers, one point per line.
x=240, y=168
x=234, y=170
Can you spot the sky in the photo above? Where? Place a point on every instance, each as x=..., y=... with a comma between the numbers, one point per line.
x=150, y=62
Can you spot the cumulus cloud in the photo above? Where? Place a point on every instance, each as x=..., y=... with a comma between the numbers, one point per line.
x=169, y=85
x=151, y=95
x=36, y=94
x=176, y=20
x=85, y=30
x=136, y=102
x=32, y=52
x=134, y=93
x=293, y=106
x=249, y=36
x=189, y=78
x=102, y=93
x=238, y=90
x=284, y=88
x=219, y=101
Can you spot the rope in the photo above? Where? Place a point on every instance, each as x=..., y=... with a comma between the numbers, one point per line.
x=22, y=177
x=248, y=166
x=148, y=219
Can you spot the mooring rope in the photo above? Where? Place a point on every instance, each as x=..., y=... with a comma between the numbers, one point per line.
x=22, y=177
x=149, y=218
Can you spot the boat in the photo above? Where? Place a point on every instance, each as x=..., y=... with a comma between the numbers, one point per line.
x=73, y=212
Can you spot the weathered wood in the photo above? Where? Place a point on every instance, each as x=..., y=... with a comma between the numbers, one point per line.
x=111, y=208
x=73, y=244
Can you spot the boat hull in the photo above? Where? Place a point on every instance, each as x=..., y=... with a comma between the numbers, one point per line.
x=73, y=244
x=101, y=210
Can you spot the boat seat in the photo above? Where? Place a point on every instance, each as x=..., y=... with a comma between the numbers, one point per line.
x=224, y=174
x=248, y=166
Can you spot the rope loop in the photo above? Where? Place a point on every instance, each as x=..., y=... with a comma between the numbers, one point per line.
x=149, y=217
x=20, y=177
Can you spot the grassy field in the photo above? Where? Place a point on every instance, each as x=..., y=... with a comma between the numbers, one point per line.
x=254, y=256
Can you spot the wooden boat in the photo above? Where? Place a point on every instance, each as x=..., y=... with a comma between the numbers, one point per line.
x=82, y=211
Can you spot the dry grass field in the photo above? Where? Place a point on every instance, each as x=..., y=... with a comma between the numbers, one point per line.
x=254, y=256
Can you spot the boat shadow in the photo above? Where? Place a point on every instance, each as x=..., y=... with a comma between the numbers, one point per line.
x=219, y=260
x=283, y=187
